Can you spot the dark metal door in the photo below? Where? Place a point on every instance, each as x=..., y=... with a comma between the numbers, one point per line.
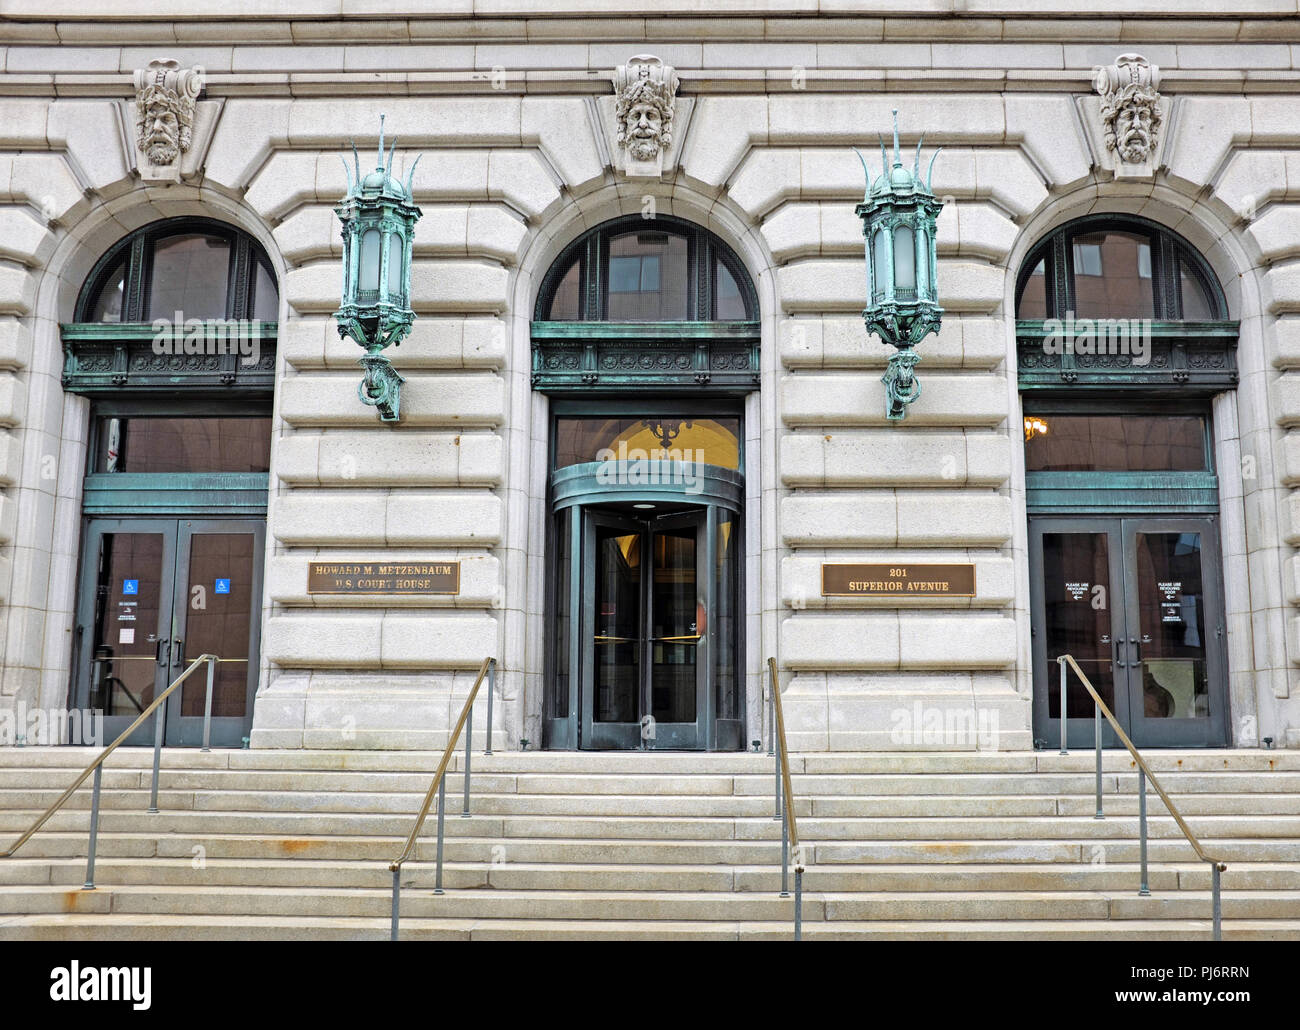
x=1174, y=638
x=217, y=599
x=1076, y=587
x=1137, y=603
x=155, y=594
x=124, y=624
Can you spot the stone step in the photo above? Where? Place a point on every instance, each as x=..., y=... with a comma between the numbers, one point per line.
x=490, y=903
x=382, y=849
x=676, y=763
x=688, y=805
x=1046, y=784
x=672, y=827
x=508, y=874
x=241, y=928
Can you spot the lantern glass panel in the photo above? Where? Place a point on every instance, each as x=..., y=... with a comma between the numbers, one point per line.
x=880, y=264
x=368, y=278
x=904, y=260
x=394, y=264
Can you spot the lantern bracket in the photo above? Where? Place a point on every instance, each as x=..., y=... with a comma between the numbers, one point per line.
x=382, y=387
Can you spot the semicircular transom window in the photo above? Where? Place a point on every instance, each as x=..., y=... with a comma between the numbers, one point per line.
x=1120, y=300
x=659, y=302
x=183, y=300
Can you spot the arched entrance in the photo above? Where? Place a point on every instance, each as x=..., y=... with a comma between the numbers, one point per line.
x=646, y=339
x=174, y=345
x=1123, y=341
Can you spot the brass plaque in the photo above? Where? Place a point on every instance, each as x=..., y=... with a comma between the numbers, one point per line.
x=904, y=579
x=383, y=577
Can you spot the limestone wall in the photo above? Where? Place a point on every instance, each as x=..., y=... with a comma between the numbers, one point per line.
x=516, y=164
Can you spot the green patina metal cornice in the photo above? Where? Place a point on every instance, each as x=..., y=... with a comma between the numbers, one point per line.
x=677, y=357
x=109, y=357
x=1186, y=357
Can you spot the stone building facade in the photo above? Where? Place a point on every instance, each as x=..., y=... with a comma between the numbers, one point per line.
x=724, y=137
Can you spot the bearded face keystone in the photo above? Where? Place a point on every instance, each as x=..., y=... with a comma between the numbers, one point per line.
x=1130, y=107
x=646, y=94
x=165, y=101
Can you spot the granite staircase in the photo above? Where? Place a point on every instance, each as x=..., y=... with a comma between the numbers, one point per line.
x=295, y=844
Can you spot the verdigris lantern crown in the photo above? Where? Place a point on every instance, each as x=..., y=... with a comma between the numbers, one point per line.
x=898, y=216
x=378, y=215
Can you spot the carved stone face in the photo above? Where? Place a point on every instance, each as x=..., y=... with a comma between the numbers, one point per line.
x=644, y=130
x=160, y=132
x=1134, y=135
x=1132, y=120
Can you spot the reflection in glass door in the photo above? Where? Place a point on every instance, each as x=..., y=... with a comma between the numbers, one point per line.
x=127, y=610
x=156, y=594
x=1136, y=602
x=644, y=626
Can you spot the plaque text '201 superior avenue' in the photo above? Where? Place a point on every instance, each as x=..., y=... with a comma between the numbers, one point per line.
x=901, y=580
x=383, y=578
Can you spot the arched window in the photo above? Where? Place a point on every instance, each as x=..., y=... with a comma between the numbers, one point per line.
x=1107, y=267
x=184, y=301
x=646, y=302
x=1119, y=301
x=201, y=268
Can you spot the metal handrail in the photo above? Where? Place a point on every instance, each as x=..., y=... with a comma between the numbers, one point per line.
x=1217, y=866
x=785, y=803
x=97, y=766
x=439, y=785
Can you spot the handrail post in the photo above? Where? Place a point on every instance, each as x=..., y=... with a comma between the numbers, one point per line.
x=785, y=855
x=492, y=686
x=1061, y=662
x=94, y=831
x=798, y=904
x=469, y=736
x=771, y=719
x=1143, y=890
x=159, y=724
x=442, y=809
x=777, y=807
x=1096, y=736
x=207, y=705
x=397, y=901
x=1217, y=934
x=775, y=750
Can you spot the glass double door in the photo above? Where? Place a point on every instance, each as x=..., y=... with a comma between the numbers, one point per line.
x=155, y=594
x=645, y=632
x=1137, y=602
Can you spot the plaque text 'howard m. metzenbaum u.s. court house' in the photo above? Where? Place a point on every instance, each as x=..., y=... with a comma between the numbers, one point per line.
x=383, y=578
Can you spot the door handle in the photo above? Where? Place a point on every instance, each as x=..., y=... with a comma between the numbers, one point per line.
x=178, y=651
x=1119, y=652
x=158, y=656
x=1137, y=651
